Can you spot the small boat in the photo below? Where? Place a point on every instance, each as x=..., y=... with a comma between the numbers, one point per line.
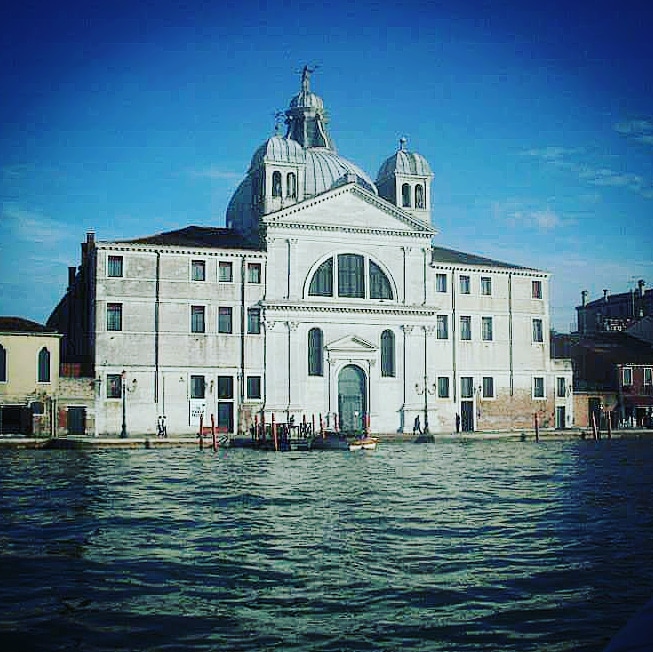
x=366, y=444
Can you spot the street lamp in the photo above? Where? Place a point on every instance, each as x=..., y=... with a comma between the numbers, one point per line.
x=426, y=390
x=124, y=390
x=123, y=393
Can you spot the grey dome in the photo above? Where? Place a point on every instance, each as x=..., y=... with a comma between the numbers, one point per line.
x=325, y=170
x=306, y=99
x=404, y=162
x=278, y=149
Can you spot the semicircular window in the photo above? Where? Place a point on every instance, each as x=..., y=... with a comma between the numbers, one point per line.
x=379, y=283
x=354, y=276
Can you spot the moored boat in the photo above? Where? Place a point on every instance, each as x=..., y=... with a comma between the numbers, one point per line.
x=365, y=443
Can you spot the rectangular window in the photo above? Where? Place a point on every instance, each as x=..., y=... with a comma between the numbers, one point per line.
x=488, y=387
x=197, y=387
x=465, y=285
x=253, y=321
x=443, y=327
x=486, y=286
x=225, y=324
x=466, y=387
x=465, y=327
x=114, y=385
x=253, y=272
x=225, y=272
x=440, y=282
x=538, y=387
x=561, y=387
x=114, y=316
x=253, y=387
x=351, y=276
x=198, y=270
x=225, y=387
x=648, y=376
x=197, y=323
x=488, y=334
x=536, y=289
x=443, y=386
x=627, y=376
x=114, y=266
x=538, y=331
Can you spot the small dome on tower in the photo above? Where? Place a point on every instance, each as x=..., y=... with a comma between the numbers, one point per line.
x=307, y=99
x=279, y=150
x=405, y=163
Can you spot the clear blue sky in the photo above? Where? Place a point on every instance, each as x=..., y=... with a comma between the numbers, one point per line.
x=130, y=118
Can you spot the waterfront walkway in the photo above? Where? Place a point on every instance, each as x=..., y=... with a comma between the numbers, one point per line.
x=152, y=441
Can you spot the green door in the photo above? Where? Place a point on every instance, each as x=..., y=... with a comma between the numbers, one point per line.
x=352, y=403
x=76, y=420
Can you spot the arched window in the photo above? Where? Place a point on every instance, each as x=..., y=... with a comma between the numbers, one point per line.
x=44, y=366
x=419, y=196
x=387, y=353
x=322, y=281
x=291, y=185
x=3, y=364
x=351, y=279
x=315, y=352
x=276, y=184
x=379, y=283
x=351, y=276
x=405, y=195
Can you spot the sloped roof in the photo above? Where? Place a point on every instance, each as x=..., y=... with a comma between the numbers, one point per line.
x=618, y=347
x=442, y=255
x=20, y=325
x=197, y=236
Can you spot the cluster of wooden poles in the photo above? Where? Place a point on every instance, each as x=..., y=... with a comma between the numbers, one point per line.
x=214, y=435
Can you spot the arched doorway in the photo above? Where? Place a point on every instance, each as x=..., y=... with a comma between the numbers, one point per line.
x=352, y=398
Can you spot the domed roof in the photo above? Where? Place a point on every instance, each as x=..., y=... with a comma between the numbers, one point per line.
x=306, y=99
x=279, y=149
x=325, y=170
x=404, y=162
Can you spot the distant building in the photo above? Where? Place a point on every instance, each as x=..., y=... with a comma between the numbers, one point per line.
x=29, y=378
x=615, y=312
x=613, y=378
x=323, y=298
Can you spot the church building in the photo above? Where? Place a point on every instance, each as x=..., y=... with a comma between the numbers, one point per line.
x=324, y=297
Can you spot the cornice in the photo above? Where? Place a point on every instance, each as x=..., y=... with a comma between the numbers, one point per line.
x=181, y=251
x=350, y=229
x=358, y=308
x=513, y=271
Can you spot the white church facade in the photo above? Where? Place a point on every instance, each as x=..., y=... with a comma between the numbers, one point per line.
x=324, y=297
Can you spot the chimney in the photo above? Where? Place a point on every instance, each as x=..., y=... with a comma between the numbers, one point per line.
x=583, y=298
x=640, y=298
x=605, y=295
x=88, y=245
x=72, y=272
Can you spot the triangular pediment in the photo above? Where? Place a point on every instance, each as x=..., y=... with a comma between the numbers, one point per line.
x=351, y=344
x=349, y=207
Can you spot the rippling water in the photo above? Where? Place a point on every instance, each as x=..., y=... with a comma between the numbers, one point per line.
x=453, y=546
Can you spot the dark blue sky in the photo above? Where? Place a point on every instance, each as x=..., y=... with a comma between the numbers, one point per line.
x=133, y=118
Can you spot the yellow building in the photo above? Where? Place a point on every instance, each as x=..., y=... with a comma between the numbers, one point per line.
x=29, y=377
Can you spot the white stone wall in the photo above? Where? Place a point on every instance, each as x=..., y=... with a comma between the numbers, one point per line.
x=181, y=353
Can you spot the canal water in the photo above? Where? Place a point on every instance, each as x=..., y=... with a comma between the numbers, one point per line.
x=452, y=546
